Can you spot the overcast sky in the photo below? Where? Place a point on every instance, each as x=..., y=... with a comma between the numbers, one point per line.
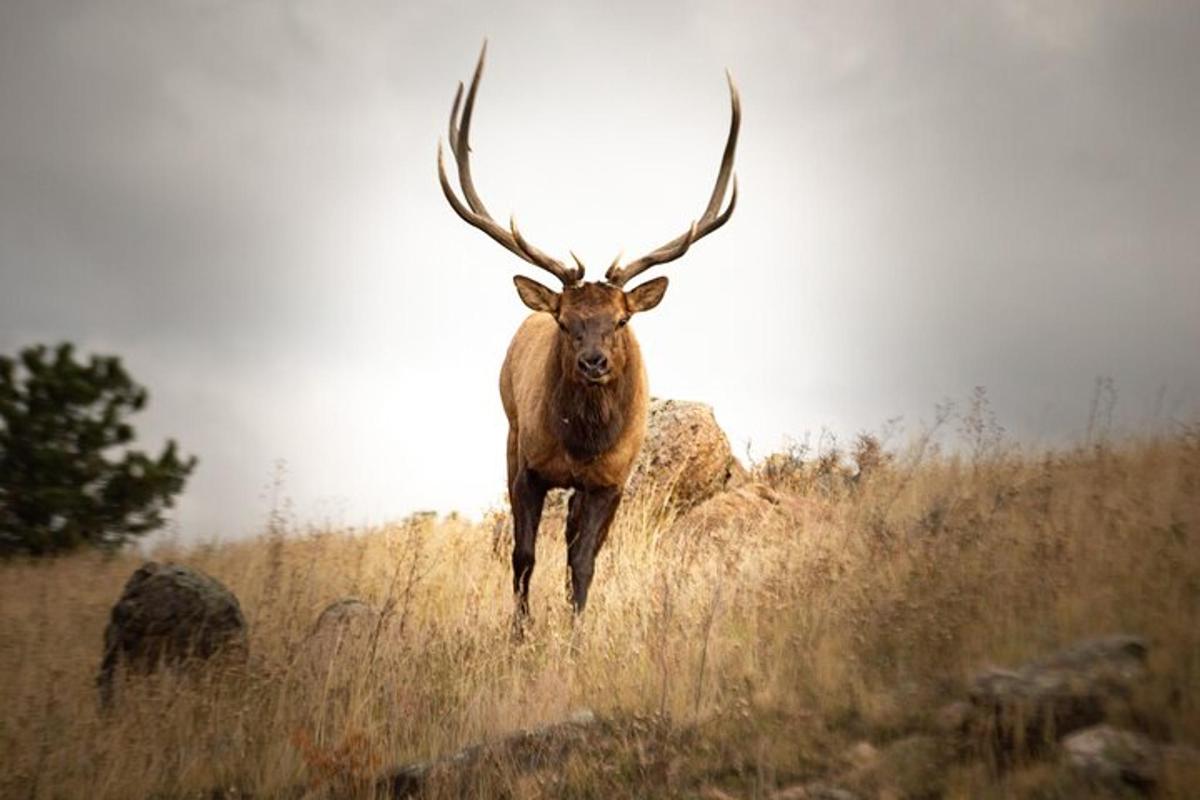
x=240, y=199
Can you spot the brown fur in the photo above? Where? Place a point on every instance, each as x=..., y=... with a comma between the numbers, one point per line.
x=571, y=433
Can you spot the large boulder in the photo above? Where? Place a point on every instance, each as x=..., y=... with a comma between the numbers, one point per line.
x=169, y=614
x=686, y=457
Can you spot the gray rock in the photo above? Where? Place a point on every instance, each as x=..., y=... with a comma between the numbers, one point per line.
x=167, y=615
x=524, y=751
x=862, y=756
x=715, y=793
x=825, y=791
x=345, y=612
x=1120, y=658
x=343, y=626
x=1026, y=708
x=1106, y=755
x=816, y=790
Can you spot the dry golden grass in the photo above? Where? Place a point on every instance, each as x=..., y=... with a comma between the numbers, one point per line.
x=733, y=658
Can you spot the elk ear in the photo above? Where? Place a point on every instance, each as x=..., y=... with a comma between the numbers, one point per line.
x=646, y=296
x=536, y=296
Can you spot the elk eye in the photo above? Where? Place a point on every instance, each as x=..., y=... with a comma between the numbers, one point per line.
x=621, y=322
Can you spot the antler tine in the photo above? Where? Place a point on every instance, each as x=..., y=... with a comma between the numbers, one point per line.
x=618, y=276
x=484, y=223
x=709, y=221
x=462, y=147
x=474, y=212
x=578, y=263
x=535, y=256
x=726, y=170
x=453, y=131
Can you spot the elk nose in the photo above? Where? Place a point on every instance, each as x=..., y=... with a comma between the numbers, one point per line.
x=593, y=363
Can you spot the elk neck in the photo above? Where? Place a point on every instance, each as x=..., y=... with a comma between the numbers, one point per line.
x=589, y=419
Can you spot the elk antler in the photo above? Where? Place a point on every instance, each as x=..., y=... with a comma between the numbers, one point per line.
x=474, y=212
x=708, y=222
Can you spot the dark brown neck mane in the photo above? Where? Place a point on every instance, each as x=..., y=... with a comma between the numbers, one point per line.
x=588, y=418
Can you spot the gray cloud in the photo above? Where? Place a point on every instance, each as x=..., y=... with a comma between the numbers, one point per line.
x=240, y=198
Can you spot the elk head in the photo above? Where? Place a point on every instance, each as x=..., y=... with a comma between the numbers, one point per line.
x=591, y=316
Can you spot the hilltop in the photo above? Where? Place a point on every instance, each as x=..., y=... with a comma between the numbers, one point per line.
x=815, y=625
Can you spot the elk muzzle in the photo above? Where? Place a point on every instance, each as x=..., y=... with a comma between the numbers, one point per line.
x=593, y=366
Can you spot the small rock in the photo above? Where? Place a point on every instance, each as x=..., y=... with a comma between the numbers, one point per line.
x=797, y=792
x=1106, y=755
x=1023, y=709
x=582, y=716
x=342, y=627
x=343, y=613
x=169, y=614
x=862, y=755
x=816, y=790
x=523, y=751
x=713, y=793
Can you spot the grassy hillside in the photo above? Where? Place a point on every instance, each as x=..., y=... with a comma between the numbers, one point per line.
x=727, y=659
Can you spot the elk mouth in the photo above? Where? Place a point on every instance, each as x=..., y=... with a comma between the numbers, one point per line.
x=593, y=376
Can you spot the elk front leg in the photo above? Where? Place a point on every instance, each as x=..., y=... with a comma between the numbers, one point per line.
x=591, y=514
x=527, y=497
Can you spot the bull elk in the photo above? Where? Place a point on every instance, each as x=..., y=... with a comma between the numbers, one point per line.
x=573, y=383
